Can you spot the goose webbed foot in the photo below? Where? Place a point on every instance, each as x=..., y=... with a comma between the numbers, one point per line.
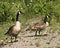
x=16, y=41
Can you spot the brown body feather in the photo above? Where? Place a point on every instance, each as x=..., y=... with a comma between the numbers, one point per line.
x=14, y=29
x=9, y=32
x=38, y=26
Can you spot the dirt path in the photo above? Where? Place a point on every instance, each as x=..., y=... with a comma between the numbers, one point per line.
x=29, y=40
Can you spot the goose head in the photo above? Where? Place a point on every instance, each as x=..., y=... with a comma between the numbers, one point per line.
x=18, y=13
x=46, y=18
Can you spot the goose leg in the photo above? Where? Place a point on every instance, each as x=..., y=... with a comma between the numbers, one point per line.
x=15, y=39
x=36, y=33
x=39, y=32
x=11, y=39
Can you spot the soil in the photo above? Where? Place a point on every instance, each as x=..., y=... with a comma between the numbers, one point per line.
x=28, y=40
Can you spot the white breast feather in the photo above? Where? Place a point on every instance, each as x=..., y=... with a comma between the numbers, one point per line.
x=47, y=24
x=17, y=26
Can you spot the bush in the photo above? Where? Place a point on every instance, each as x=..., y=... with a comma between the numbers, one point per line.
x=30, y=8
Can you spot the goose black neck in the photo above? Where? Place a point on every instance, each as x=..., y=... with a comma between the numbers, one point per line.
x=45, y=19
x=17, y=17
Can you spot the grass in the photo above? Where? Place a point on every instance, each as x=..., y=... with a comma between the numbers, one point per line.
x=54, y=27
x=4, y=27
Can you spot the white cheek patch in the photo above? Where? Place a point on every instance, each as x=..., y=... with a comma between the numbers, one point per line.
x=19, y=13
x=47, y=17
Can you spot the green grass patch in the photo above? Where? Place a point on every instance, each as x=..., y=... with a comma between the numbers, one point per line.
x=5, y=26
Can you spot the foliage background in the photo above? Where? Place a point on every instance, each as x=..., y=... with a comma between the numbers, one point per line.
x=31, y=9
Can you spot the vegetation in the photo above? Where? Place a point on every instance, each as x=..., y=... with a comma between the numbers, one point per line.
x=8, y=8
x=30, y=8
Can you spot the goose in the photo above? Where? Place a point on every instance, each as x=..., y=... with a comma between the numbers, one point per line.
x=14, y=30
x=39, y=25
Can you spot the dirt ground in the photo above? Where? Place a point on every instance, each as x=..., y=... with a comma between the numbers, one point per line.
x=29, y=40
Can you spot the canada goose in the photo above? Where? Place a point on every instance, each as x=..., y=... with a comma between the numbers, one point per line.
x=39, y=26
x=15, y=29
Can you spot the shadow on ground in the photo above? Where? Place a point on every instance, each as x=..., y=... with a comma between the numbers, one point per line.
x=36, y=35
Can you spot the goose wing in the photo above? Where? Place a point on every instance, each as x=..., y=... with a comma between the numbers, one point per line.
x=9, y=30
x=39, y=25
